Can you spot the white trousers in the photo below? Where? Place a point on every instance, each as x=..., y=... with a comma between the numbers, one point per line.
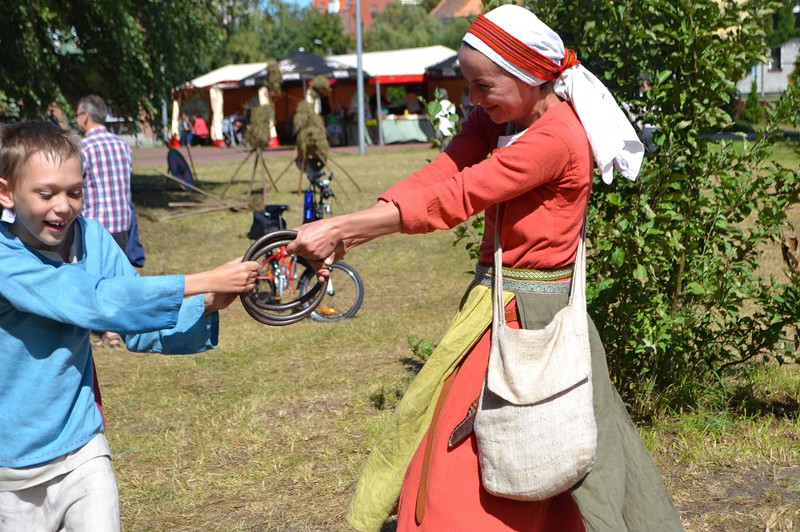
x=84, y=500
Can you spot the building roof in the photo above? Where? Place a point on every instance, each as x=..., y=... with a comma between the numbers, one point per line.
x=449, y=9
x=397, y=66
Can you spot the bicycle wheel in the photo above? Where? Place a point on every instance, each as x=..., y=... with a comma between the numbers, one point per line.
x=343, y=295
x=276, y=298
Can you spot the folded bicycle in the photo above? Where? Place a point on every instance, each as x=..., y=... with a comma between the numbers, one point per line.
x=285, y=278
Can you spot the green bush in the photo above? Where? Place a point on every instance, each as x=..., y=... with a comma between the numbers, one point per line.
x=673, y=280
x=753, y=113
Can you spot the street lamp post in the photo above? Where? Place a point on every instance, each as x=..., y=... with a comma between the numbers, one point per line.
x=360, y=83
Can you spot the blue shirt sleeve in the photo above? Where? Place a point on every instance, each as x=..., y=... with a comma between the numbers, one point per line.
x=67, y=293
x=194, y=332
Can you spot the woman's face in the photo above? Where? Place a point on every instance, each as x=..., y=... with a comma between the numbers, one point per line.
x=503, y=96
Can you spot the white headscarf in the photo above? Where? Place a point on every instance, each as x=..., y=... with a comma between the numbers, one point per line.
x=612, y=137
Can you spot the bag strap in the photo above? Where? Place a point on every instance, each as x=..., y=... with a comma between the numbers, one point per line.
x=577, y=293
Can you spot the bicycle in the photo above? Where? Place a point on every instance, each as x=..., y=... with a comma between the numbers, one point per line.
x=284, y=277
x=345, y=289
x=278, y=279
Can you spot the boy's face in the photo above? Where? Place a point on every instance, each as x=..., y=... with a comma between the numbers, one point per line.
x=46, y=199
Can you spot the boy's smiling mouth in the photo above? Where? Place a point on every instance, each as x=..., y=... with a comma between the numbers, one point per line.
x=56, y=226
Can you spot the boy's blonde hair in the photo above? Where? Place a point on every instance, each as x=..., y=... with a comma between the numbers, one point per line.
x=20, y=141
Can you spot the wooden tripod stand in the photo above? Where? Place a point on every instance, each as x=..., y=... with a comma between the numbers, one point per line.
x=259, y=153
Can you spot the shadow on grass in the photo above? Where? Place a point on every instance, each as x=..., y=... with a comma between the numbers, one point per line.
x=412, y=365
x=390, y=525
x=157, y=192
x=746, y=403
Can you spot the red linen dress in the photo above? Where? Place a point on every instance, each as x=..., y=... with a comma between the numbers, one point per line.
x=544, y=178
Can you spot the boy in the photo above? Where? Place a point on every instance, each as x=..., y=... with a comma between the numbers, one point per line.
x=61, y=276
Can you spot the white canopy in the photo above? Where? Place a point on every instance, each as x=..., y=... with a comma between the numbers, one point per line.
x=397, y=66
x=227, y=75
x=391, y=66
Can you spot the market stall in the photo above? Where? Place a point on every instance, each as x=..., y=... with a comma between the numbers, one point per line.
x=398, y=67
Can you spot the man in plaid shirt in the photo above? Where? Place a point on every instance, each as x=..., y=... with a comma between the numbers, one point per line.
x=107, y=168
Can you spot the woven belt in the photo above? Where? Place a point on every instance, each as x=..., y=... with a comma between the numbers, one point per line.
x=528, y=281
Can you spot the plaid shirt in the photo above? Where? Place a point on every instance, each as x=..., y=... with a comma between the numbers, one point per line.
x=107, y=169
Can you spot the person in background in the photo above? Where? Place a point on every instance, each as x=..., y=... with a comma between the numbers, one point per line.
x=107, y=170
x=412, y=103
x=185, y=128
x=525, y=157
x=240, y=130
x=354, y=107
x=200, y=132
x=64, y=275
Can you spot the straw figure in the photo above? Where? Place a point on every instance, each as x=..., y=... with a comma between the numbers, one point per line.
x=267, y=94
x=318, y=88
x=259, y=131
x=312, y=140
x=273, y=80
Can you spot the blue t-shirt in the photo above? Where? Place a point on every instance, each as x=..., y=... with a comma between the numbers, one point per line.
x=47, y=312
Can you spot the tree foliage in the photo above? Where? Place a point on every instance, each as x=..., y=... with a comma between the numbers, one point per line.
x=131, y=53
x=783, y=25
x=280, y=29
x=409, y=26
x=674, y=280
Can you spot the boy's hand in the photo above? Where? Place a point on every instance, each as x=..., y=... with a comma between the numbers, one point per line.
x=222, y=284
x=240, y=275
x=234, y=276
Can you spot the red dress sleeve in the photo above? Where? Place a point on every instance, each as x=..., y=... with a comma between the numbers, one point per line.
x=475, y=141
x=443, y=201
x=544, y=179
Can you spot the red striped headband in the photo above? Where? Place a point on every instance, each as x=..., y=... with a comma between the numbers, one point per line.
x=519, y=53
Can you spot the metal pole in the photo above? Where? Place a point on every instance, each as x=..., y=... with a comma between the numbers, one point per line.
x=378, y=107
x=166, y=120
x=360, y=86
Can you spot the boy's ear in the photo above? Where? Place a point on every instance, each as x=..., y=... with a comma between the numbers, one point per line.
x=6, y=196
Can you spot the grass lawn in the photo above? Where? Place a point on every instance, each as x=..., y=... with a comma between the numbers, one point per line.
x=269, y=431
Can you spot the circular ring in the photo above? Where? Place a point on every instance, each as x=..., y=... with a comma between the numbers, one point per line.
x=270, y=311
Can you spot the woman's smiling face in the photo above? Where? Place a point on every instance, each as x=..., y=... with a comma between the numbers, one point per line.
x=46, y=198
x=504, y=97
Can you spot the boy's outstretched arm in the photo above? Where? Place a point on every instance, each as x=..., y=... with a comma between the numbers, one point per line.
x=222, y=284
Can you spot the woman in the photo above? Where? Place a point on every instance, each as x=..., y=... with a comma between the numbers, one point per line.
x=542, y=119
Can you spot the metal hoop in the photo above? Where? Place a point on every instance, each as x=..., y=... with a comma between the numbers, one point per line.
x=273, y=313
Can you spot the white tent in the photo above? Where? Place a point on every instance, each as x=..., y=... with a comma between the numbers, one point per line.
x=394, y=67
x=388, y=67
x=227, y=76
x=397, y=66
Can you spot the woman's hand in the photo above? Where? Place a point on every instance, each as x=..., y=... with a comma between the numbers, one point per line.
x=325, y=241
x=321, y=243
x=317, y=241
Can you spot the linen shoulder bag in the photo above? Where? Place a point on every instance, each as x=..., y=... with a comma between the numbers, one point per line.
x=535, y=424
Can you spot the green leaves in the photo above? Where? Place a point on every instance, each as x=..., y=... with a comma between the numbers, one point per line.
x=407, y=26
x=675, y=284
x=131, y=53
